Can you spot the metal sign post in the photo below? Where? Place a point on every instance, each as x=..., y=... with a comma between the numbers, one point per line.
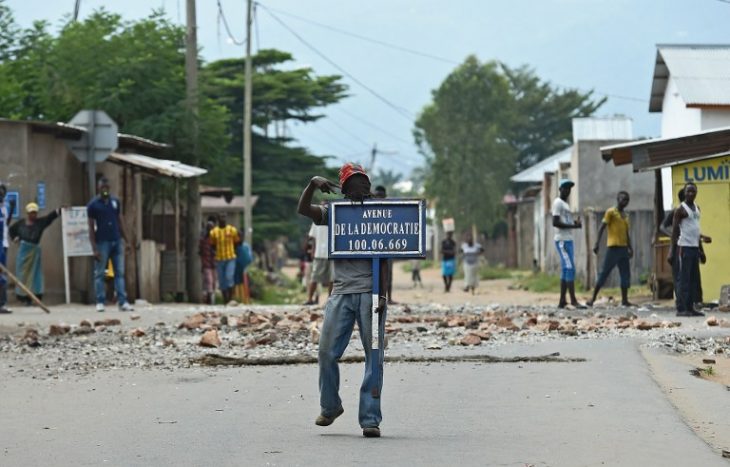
x=377, y=230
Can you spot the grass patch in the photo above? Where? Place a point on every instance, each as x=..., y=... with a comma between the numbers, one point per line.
x=274, y=289
x=487, y=273
x=540, y=282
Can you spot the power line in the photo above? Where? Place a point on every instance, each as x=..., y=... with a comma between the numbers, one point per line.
x=222, y=16
x=368, y=39
x=400, y=110
x=431, y=56
x=374, y=126
x=348, y=132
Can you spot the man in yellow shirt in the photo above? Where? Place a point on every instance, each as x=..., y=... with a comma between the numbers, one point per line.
x=224, y=238
x=619, y=252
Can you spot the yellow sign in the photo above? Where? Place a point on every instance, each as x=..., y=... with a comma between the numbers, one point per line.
x=712, y=177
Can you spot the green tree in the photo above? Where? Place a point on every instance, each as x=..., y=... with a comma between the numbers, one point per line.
x=542, y=118
x=133, y=70
x=486, y=121
x=280, y=169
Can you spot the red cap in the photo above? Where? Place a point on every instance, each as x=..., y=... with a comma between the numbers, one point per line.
x=350, y=169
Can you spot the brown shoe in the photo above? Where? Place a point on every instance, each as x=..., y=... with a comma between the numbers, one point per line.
x=371, y=432
x=323, y=420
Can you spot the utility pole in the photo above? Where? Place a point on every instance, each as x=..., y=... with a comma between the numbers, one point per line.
x=374, y=153
x=247, y=179
x=192, y=224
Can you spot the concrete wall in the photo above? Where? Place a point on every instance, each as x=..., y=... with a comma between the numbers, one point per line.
x=525, y=227
x=26, y=158
x=598, y=182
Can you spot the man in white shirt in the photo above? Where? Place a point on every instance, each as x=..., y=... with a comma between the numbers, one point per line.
x=321, y=266
x=564, y=224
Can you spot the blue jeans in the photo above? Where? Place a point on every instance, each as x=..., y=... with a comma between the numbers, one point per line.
x=567, y=263
x=226, y=271
x=340, y=315
x=115, y=251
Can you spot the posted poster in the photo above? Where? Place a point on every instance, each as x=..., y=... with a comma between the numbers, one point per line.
x=75, y=227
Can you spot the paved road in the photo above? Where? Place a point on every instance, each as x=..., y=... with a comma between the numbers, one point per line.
x=607, y=411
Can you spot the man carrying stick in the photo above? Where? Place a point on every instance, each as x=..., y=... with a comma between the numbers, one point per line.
x=350, y=302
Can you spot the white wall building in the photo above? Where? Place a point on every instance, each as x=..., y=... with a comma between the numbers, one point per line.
x=691, y=88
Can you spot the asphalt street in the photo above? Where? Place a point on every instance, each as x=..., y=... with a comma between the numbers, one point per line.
x=605, y=411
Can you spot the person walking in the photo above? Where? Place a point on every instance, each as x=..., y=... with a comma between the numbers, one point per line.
x=470, y=251
x=321, y=265
x=448, y=260
x=687, y=249
x=28, y=266
x=564, y=224
x=416, y=273
x=206, y=251
x=6, y=214
x=619, y=250
x=244, y=257
x=351, y=301
x=108, y=241
x=224, y=238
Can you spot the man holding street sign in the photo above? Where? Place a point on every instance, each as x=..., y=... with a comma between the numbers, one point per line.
x=350, y=302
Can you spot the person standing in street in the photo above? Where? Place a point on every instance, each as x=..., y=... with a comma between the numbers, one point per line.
x=206, y=251
x=564, y=225
x=351, y=302
x=28, y=266
x=470, y=251
x=666, y=229
x=619, y=250
x=108, y=241
x=448, y=260
x=321, y=266
x=687, y=249
x=6, y=213
x=224, y=238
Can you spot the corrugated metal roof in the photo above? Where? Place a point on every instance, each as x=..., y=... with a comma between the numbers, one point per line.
x=164, y=167
x=652, y=154
x=537, y=171
x=701, y=72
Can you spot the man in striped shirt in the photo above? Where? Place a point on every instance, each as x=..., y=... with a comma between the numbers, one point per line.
x=224, y=238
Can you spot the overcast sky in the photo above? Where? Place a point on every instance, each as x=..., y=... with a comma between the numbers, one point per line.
x=605, y=45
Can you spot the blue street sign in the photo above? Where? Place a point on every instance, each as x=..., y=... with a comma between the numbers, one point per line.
x=13, y=195
x=40, y=195
x=382, y=228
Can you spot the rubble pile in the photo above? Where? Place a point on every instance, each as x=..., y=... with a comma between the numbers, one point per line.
x=265, y=332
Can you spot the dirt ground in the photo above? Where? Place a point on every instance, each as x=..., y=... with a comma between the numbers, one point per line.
x=489, y=292
x=719, y=372
x=493, y=291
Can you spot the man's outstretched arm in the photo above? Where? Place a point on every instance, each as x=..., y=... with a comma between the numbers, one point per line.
x=305, y=206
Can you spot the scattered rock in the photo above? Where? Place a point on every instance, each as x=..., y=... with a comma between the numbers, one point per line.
x=134, y=317
x=210, y=339
x=471, y=339
x=108, y=322
x=711, y=321
x=83, y=330
x=708, y=361
x=85, y=323
x=137, y=332
x=58, y=329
